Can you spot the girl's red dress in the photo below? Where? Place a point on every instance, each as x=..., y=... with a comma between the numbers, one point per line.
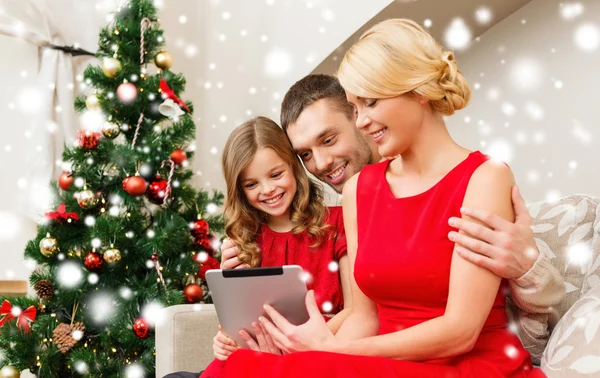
x=319, y=264
x=403, y=265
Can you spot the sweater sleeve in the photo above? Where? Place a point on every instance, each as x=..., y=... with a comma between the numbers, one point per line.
x=537, y=294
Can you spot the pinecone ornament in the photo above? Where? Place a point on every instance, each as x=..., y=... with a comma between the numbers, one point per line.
x=44, y=289
x=66, y=336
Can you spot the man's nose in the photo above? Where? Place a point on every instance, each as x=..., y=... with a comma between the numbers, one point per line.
x=322, y=161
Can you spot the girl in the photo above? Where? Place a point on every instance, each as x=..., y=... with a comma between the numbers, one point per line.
x=419, y=310
x=275, y=214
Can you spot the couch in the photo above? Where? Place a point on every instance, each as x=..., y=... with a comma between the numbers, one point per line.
x=568, y=231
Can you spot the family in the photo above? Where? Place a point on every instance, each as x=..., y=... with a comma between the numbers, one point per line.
x=409, y=277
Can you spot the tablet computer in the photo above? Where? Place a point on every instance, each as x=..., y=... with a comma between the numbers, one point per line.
x=239, y=296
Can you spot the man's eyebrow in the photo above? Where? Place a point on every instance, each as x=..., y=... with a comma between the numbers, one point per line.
x=321, y=135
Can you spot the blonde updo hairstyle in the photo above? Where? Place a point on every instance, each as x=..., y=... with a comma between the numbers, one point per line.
x=396, y=57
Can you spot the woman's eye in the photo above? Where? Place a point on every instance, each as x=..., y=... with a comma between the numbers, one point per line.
x=370, y=103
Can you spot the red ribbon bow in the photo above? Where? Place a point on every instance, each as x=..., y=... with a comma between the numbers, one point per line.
x=164, y=87
x=61, y=214
x=23, y=320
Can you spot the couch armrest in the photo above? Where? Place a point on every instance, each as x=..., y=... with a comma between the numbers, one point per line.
x=184, y=338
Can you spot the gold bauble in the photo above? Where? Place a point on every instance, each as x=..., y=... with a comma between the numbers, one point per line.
x=111, y=67
x=92, y=102
x=112, y=255
x=9, y=372
x=163, y=60
x=87, y=199
x=110, y=130
x=48, y=246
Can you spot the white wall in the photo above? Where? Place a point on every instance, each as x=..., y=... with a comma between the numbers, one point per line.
x=199, y=33
x=550, y=132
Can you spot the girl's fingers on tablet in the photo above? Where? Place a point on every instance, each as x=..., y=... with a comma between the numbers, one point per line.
x=260, y=337
x=270, y=343
x=223, y=346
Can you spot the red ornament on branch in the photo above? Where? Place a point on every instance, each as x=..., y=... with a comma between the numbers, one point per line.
x=135, y=185
x=193, y=293
x=65, y=180
x=157, y=191
x=200, y=229
x=61, y=214
x=207, y=243
x=141, y=328
x=88, y=140
x=93, y=261
x=206, y=265
x=24, y=318
x=178, y=156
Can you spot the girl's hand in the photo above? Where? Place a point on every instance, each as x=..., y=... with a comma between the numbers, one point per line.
x=223, y=346
x=312, y=335
x=265, y=342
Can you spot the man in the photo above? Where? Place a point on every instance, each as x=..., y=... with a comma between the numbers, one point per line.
x=320, y=125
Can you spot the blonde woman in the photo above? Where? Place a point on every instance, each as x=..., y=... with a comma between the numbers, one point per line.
x=419, y=309
x=274, y=212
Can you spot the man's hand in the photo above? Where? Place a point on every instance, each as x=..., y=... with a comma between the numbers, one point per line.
x=229, y=253
x=507, y=249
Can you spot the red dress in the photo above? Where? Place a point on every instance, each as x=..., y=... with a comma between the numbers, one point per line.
x=403, y=265
x=319, y=264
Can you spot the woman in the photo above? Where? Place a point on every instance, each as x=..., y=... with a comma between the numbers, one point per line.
x=419, y=309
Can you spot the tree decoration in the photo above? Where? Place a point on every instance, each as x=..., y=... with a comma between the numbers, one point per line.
x=65, y=180
x=92, y=102
x=207, y=243
x=111, y=130
x=61, y=214
x=65, y=336
x=193, y=293
x=48, y=246
x=200, y=228
x=170, y=109
x=24, y=317
x=88, y=140
x=112, y=255
x=127, y=93
x=141, y=328
x=178, y=156
x=111, y=67
x=87, y=199
x=157, y=191
x=93, y=261
x=135, y=186
x=44, y=289
x=157, y=266
x=9, y=371
x=207, y=263
x=163, y=60
x=167, y=91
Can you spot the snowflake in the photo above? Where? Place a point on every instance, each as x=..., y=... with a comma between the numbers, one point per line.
x=457, y=35
x=69, y=274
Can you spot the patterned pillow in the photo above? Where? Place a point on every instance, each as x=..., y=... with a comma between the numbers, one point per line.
x=574, y=347
x=564, y=231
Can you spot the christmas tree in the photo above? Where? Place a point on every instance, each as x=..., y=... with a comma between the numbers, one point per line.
x=128, y=234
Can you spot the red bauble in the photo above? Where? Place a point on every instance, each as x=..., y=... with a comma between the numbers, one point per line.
x=200, y=229
x=88, y=140
x=135, y=186
x=157, y=190
x=141, y=328
x=193, y=293
x=93, y=261
x=65, y=180
x=210, y=263
x=207, y=243
x=178, y=156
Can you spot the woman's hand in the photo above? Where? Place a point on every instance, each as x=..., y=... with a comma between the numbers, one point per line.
x=265, y=342
x=223, y=346
x=312, y=335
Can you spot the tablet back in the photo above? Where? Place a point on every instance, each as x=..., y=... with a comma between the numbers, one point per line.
x=239, y=296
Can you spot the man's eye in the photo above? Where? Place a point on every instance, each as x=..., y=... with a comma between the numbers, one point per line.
x=329, y=140
x=305, y=155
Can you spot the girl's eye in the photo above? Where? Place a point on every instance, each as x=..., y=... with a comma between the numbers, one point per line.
x=250, y=186
x=275, y=175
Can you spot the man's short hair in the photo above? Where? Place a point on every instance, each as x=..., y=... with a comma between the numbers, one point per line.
x=309, y=90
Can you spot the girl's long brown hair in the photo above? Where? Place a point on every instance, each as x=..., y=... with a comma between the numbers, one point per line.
x=242, y=221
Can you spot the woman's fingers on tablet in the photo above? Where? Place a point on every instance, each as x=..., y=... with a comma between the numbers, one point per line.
x=249, y=340
x=277, y=318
